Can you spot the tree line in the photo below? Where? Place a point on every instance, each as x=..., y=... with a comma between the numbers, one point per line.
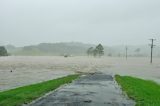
x=97, y=51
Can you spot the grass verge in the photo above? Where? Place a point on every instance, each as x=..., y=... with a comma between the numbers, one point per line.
x=26, y=94
x=144, y=92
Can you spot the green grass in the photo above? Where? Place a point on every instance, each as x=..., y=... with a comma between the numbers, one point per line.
x=144, y=92
x=26, y=94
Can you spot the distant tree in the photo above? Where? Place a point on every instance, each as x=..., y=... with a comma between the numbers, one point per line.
x=3, y=51
x=95, y=52
x=99, y=50
x=66, y=55
x=119, y=55
x=137, y=51
x=110, y=54
x=90, y=51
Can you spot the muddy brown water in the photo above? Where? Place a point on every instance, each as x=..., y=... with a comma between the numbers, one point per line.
x=96, y=89
x=33, y=69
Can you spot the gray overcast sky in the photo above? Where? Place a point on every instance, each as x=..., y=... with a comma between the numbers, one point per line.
x=110, y=22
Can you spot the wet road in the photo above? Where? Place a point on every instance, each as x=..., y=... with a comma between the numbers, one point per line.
x=96, y=89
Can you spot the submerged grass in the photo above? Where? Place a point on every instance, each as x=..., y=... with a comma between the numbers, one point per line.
x=144, y=92
x=26, y=94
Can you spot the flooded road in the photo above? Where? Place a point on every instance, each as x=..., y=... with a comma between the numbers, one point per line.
x=28, y=70
x=95, y=89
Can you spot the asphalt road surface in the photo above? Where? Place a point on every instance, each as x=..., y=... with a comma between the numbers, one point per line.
x=96, y=89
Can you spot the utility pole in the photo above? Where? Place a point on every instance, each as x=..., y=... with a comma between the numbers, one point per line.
x=152, y=45
x=126, y=52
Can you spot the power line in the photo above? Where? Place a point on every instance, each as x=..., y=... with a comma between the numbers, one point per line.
x=152, y=45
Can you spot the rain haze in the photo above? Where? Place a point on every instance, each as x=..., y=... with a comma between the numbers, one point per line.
x=79, y=52
x=111, y=22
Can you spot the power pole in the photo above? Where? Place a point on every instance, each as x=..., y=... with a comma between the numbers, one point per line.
x=152, y=45
x=126, y=52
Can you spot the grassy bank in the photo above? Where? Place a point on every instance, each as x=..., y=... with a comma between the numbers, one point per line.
x=26, y=94
x=144, y=92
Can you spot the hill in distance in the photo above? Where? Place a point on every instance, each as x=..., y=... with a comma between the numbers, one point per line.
x=78, y=49
x=71, y=48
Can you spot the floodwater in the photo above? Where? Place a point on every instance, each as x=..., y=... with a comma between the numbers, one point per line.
x=96, y=89
x=18, y=71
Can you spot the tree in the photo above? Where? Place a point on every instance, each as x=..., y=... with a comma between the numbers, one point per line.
x=137, y=51
x=3, y=51
x=95, y=52
x=99, y=50
x=90, y=51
